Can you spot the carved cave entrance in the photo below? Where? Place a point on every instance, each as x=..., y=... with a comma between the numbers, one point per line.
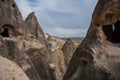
x=112, y=32
x=5, y=32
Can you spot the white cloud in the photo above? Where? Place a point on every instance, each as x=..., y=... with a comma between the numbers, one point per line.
x=68, y=32
x=64, y=13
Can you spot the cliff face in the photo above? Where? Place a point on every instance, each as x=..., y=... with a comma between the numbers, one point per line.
x=98, y=57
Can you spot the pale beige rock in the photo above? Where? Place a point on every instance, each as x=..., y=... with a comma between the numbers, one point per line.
x=55, y=42
x=59, y=63
x=11, y=71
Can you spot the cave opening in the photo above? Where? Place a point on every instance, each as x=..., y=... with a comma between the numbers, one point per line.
x=83, y=61
x=5, y=32
x=13, y=5
x=112, y=32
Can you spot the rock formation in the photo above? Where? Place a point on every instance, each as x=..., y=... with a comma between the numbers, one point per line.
x=11, y=71
x=14, y=50
x=58, y=63
x=11, y=22
x=16, y=41
x=34, y=27
x=68, y=50
x=55, y=42
x=41, y=60
x=98, y=56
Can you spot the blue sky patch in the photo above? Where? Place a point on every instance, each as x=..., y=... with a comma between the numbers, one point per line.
x=63, y=18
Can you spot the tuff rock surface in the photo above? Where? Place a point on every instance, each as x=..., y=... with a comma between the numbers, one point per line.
x=55, y=42
x=41, y=57
x=24, y=43
x=11, y=19
x=9, y=70
x=34, y=27
x=41, y=61
x=58, y=63
x=68, y=50
x=98, y=56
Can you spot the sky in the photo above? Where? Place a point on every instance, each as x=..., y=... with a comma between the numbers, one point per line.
x=62, y=18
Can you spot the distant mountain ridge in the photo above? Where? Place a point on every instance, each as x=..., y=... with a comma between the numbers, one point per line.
x=75, y=39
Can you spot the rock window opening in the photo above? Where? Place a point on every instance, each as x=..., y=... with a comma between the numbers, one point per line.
x=5, y=32
x=13, y=5
x=2, y=0
x=112, y=32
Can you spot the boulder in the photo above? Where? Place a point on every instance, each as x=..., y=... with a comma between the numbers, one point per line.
x=9, y=70
x=98, y=56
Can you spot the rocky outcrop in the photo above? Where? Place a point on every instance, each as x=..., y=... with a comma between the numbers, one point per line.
x=11, y=71
x=58, y=64
x=68, y=50
x=98, y=57
x=55, y=42
x=16, y=41
x=11, y=22
x=41, y=60
x=34, y=27
x=12, y=51
x=34, y=60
